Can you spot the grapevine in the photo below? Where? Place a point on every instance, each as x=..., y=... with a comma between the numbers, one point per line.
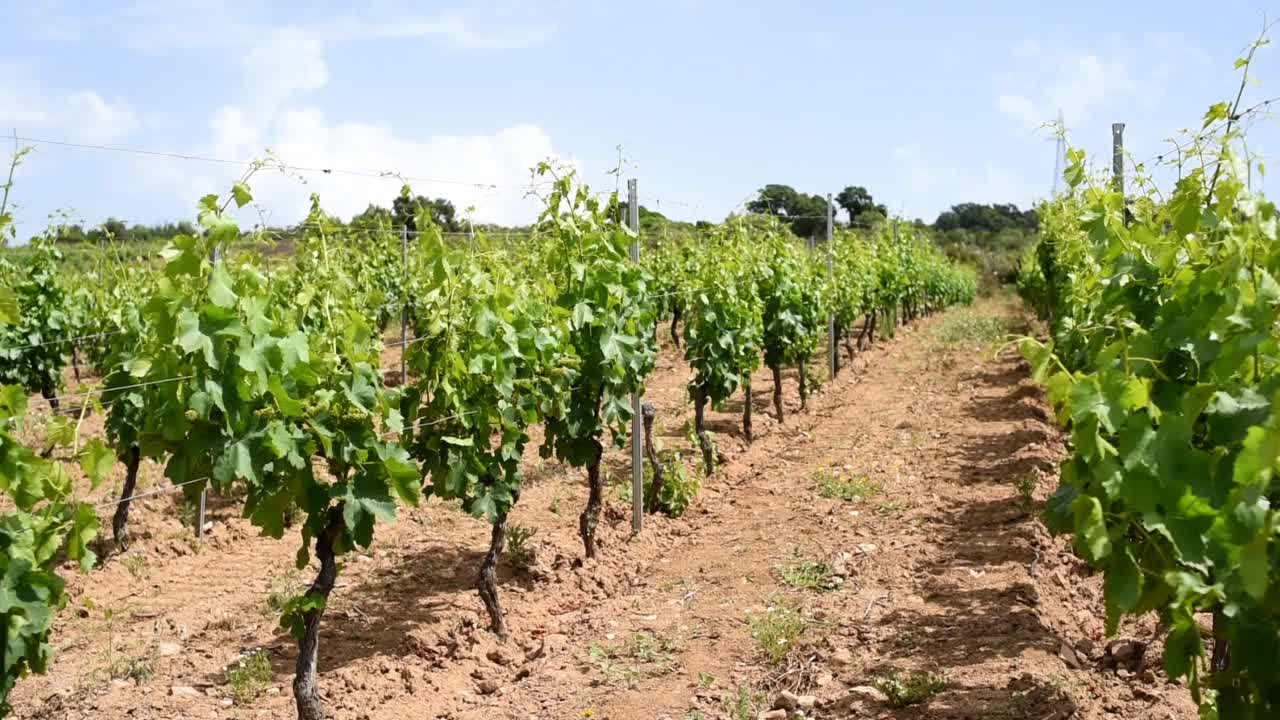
x=722, y=331
x=33, y=349
x=1163, y=361
x=794, y=309
x=603, y=294
x=259, y=401
x=489, y=362
x=46, y=523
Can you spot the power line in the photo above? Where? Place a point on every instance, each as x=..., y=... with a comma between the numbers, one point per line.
x=429, y=423
x=396, y=229
x=100, y=391
x=149, y=493
x=250, y=163
x=72, y=340
x=658, y=201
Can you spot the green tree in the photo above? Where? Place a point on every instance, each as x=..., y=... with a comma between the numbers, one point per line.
x=405, y=209
x=992, y=218
x=372, y=217
x=856, y=201
x=805, y=214
x=651, y=221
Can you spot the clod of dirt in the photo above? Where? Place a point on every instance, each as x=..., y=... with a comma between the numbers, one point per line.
x=1070, y=657
x=1086, y=649
x=1124, y=654
x=498, y=657
x=792, y=702
x=1143, y=694
x=866, y=693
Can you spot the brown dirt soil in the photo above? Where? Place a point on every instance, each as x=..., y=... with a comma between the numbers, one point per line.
x=944, y=569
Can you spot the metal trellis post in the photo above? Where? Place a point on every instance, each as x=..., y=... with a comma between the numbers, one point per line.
x=1117, y=165
x=897, y=248
x=831, y=316
x=1117, y=155
x=404, y=302
x=204, y=491
x=637, y=429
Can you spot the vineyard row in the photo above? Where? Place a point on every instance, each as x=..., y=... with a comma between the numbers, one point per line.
x=266, y=378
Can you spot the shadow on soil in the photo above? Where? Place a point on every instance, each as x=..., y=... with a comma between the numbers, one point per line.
x=970, y=624
x=416, y=591
x=1001, y=458
x=1025, y=698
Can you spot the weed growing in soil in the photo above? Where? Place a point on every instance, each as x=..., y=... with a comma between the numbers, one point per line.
x=831, y=484
x=249, y=677
x=679, y=488
x=519, y=548
x=803, y=574
x=911, y=688
x=1020, y=706
x=140, y=669
x=890, y=508
x=777, y=630
x=745, y=703
x=187, y=511
x=1026, y=484
x=970, y=327
x=223, y=622
x=282, y=590
x=136, y=565
x=643, y=655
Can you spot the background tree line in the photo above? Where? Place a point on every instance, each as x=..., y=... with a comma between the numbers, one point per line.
x=989, y=236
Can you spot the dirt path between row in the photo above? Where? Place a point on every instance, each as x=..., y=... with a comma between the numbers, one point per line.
x=940, y=567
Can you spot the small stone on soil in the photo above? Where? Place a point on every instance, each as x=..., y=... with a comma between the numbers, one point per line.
x=791, y=702
x=866, y=692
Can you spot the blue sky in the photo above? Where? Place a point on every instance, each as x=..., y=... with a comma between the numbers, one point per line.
x=926, y=104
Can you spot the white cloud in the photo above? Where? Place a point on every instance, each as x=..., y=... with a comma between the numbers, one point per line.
x=1075, y=83
x=923, y=183
x=1020, y=108
x=906, y=151
x=154, y=26
x=232, y=133
x=290, y=63
x=305, y=138
x=77, y=115
x=280, y=67
x=286, y=62
x=455, y=28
